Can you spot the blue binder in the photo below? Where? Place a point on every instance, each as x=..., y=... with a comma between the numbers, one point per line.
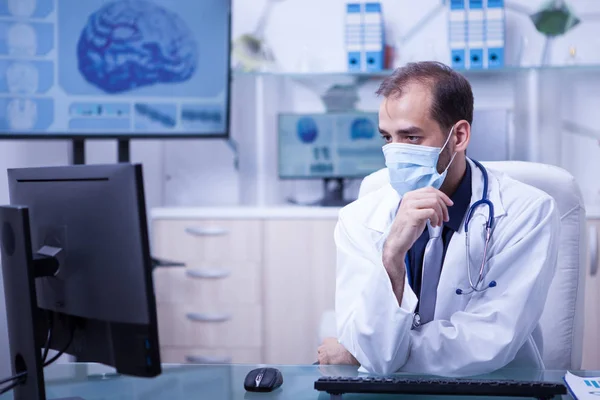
x=373, y=37
x=476, y=34
x=354, y=36
x=458, y=34
x=495, y=33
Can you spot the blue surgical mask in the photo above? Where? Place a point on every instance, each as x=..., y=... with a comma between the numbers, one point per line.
x=413, y=167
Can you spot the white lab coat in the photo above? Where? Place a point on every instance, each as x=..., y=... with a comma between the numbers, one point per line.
x=470, y=334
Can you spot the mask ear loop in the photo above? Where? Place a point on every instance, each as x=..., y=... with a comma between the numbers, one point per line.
x=447, y=140
x=444, y=146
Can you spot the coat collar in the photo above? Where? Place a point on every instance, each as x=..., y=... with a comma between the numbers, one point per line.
x=384, y=212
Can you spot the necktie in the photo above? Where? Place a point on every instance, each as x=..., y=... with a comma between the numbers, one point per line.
x=432, y=268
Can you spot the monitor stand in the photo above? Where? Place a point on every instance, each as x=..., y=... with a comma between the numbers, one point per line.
x=20, y=268
x=334, y=193
x=78, y=151
x=334, y=196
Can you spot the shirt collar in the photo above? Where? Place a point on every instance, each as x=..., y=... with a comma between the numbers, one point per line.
x=462, y=200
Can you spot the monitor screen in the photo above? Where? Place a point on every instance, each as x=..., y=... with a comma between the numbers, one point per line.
x=335, y=145
x=132, y=68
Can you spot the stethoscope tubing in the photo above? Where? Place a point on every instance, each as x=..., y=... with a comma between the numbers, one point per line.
x=484, y=201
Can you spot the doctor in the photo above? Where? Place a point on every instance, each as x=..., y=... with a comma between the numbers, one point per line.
x=410, y=294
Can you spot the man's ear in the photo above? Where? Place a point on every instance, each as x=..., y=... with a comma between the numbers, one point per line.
x=462, y=133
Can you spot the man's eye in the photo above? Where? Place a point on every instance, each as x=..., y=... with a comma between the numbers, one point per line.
x=413, y=139
x=387, y=139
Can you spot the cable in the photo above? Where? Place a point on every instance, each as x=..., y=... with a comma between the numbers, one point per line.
x=22, y=374
x=48, y=338
x=12, y=378
x=44, y=356
x=18, y=378
x=60, y=353
x=10, y=387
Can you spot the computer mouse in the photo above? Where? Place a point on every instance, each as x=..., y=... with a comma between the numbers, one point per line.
x=263, y=380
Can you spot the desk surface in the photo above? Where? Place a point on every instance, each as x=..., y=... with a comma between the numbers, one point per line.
x=215, y=382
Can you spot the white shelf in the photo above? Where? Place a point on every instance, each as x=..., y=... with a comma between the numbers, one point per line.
x=493, y=72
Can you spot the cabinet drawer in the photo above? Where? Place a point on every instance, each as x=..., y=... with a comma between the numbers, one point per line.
x=204, y=326
x=214, y=286
x=191, y=355
x=194, y=241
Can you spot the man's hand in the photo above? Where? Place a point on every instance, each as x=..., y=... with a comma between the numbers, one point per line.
x=333, y=353
x=415, y=209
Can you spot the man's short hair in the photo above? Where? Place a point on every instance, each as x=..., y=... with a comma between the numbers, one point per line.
x=452, y=97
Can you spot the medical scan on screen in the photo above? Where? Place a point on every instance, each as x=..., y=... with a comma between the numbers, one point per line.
x=124, y=67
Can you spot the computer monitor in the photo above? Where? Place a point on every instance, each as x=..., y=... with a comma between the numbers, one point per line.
x=332, y=146
x=119, y=68
x=75, y=254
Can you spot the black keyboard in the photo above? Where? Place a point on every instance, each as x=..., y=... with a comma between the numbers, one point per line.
x=439, y=386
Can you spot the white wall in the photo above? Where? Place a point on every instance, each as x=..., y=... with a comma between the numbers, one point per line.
x=580, y=154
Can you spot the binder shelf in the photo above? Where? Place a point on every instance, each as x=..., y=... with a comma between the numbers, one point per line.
x=508, y=70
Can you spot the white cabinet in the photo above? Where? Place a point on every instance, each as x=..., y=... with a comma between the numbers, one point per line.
x=211, y=310
x=255, y=285
x=299, y=287
x=591, y=339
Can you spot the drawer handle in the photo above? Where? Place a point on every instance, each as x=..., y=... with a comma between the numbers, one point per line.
x=207, y=360
x=207, y=273
x=206, y=317
x=212, y=231
x=158, y=262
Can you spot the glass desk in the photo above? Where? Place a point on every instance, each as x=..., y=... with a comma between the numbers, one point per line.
x=216, y=382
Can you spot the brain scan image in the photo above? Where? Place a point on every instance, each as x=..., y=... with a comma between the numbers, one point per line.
x=21, y=114
x=307, y=129
x=22, y=77
x=21, y=40
x=362, y=128
x=21, y=8
x=131, y=44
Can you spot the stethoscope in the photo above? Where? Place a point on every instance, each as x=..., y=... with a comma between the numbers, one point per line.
x=484, y=201
x=473, y=287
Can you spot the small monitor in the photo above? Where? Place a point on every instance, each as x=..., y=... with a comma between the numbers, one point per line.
x=329, y=146
x=81, y=232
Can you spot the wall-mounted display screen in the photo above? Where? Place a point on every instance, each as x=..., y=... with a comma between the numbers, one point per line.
x=133, y=68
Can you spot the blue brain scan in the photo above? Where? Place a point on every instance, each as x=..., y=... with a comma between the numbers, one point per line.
x=106, y=68
x=362, y=128
x=130, y=44
x=307, y=130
